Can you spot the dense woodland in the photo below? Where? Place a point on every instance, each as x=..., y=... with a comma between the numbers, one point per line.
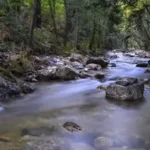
x=58, y=26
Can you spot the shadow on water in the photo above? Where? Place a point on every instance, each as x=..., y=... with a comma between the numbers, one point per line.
x=135, y=104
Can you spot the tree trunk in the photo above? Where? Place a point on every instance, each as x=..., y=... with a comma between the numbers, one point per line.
x=52, y=4
x=92, y=41
x=68, y=24
x=38, y=14
x=33, y=22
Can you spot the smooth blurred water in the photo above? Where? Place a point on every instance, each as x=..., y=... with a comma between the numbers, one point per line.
x=80, y=101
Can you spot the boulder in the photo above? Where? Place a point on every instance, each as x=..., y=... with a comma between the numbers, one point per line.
x=77, y=65
x=99, y=61
x=10, y=89
x=111, y=55
x=46, y=74
x=93, y=67
x=66, y=73
x=100, y=76
x=102, y=87
x=76, y=57
x=83, y=74
x=59, y=72
x=126, y=89
x=142, y=64
x=144, y=54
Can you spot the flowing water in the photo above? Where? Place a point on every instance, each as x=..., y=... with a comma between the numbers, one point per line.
x=126, y=125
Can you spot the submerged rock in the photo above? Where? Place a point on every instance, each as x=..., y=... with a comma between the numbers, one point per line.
x=46, y=143
x=126, y=89
x=100, y=76
x=72, y=127
x=112, y=65
x=96, y=60
x=147, y=71
x=142, y=64
x=102, y=87
x=81, y=146
x=103, y=143
x=38, y=131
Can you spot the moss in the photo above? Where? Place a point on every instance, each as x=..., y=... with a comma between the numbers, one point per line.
x=4, y=71
x=20, y=65
x=70, y=48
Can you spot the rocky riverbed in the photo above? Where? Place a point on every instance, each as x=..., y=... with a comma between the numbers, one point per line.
x=75, y=115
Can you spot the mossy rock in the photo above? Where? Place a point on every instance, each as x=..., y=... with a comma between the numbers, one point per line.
x=21, y=65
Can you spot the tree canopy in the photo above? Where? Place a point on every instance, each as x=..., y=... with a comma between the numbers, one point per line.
x=86, y=25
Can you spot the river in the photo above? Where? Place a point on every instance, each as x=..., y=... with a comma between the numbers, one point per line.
x=126, y=124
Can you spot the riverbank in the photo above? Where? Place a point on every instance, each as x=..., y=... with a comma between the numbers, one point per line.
x=20, y=72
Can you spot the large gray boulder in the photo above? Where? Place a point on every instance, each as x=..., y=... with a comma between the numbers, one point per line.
x=126, y=89
x=97, y=60
x=66, y=73
x=59, y=72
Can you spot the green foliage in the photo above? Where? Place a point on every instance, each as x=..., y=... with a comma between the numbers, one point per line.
x=85, y=25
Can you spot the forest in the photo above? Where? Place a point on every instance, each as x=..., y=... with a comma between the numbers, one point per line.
x=74, y=74
x=59, y=26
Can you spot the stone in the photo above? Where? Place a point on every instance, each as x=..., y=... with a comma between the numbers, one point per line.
x=112, y=65
x=93, y=67
x=142, y=53
x=47, y=73
x=86, y=69
x=72, y=127
x=39, y=131
x=147, y=71
x=97, y=60
x=10, y=88
x=57, y=72
x=111, y=55
x=46, y=143
x=142, y=64
x=26, y=88
x=103, y=143
x=83, y=74
x=77, y=65
x=100, y=76
x=130, y=54
x=126, y=81
x=126, y=89
x=102, y=87
x=66, y=73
